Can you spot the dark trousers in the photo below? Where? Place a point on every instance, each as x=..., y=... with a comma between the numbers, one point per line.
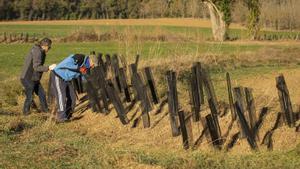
x=65, y=97
x=30, y=88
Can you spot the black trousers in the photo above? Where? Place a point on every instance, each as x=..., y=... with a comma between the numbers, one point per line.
x=65, y=97
x=30, y=88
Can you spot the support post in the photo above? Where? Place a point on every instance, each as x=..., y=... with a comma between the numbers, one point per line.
x=116, y=101
x=285, y=101
x=230, y=97
x=151, y=84
x=173, y=102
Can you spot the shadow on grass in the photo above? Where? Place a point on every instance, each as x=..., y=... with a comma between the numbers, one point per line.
x=8, y=113
x=256, y=128
x=17, y=127
x=77, y=118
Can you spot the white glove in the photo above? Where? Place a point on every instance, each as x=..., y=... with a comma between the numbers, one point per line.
x=51, y=67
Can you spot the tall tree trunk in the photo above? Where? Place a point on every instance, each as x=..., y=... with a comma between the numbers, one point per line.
x=219, y=27
x=22, y=14
x=30, y=14
x=44, y=15
x=93, y=14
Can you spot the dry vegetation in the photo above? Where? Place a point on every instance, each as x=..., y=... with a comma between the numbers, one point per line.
x=103, y=138
x=97, y=141
x=124, y=146
x=185, y=22
x=159, y=135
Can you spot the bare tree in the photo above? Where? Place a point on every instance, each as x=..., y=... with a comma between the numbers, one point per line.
x=220, y=17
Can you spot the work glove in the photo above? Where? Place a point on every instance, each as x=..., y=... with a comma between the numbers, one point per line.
x=51, y=67
x=83, y=70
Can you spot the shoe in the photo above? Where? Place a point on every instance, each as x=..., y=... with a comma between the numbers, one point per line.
x=45, y=111
x=69, y=116
x=26, y=113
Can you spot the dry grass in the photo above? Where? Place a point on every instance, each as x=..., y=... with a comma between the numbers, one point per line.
x=153, y=148
x=126, y=35
x=159, y=137
x=282, y=43
x=185, y=22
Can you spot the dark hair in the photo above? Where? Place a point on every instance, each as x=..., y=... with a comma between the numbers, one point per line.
x=79, y=59
x=45, y=42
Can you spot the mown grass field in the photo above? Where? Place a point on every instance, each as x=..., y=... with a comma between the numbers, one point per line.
x=97, y=141
x=196, y=28
x=12, y=55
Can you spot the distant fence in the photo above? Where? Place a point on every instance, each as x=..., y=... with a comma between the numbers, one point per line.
x=18, y=38
x=107, y=36
x=108, y=83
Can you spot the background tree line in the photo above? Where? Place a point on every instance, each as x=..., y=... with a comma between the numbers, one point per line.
x=278, y=14
x=97, y=9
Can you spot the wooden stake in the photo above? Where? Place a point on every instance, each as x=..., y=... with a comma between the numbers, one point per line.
x=151, y=84
x=230, y=97
x=173, y=102
x=285, y=101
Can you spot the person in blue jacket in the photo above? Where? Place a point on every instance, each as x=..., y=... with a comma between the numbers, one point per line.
x=70, y=68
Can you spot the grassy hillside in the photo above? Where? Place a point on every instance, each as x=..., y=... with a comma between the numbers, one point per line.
x=97, y=141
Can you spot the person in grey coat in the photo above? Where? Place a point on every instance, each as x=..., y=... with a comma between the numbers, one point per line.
x=32, y=73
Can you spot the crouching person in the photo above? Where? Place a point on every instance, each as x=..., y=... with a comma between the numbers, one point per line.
x=62, y=89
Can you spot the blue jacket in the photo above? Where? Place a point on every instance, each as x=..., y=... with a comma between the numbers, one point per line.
x=68, y=69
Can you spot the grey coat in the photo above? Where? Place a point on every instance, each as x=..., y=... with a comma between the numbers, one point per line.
x=34, y=64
